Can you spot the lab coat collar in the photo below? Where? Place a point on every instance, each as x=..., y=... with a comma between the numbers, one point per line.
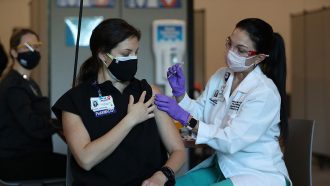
x=250, y=80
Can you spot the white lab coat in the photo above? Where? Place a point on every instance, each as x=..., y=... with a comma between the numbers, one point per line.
x=243, y=128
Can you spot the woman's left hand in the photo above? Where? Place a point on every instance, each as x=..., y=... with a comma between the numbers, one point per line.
x=157, y=179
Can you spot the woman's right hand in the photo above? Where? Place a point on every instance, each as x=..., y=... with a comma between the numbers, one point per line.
x=140, y=111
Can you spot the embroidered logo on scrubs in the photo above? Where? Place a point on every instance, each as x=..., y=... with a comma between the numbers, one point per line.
x=102, y=105
x=237, y=101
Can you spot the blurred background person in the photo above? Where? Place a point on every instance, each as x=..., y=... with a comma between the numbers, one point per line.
x=25, y=126
x=3, y=59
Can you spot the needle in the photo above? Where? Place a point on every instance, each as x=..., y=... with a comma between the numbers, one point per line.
x=180, y=65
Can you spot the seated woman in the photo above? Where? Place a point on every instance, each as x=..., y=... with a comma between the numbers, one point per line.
x=241, y=114
x=25, y=126
x=115, y=133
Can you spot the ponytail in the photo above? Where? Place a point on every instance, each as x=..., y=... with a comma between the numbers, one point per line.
x=274, y=68
x=88, y=70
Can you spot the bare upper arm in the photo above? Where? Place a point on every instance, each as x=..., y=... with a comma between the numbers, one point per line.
x=168, y=132
x=75, y=133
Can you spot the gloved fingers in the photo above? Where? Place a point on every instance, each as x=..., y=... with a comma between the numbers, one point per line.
x=173, y=69
x=162, y=104
x=142, y=97
x=179, y=72
x=162, y=98
x=165, y=109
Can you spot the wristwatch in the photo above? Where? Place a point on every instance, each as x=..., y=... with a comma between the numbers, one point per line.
x=191, y=123
x=168, y=172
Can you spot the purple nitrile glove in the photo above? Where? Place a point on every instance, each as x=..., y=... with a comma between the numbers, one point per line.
x=176, y=79
x=170, y=106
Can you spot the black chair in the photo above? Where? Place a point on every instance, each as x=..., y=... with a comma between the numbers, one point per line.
x=41, y=182
x=68, y=169
x=298, y=151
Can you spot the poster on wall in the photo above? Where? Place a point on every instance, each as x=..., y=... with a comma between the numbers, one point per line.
x=169, y=33
x=153, y=3
x=86, y=3
x=87, y=26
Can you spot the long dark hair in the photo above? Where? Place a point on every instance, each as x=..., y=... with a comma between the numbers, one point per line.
x=106, y=36
x=274, y=67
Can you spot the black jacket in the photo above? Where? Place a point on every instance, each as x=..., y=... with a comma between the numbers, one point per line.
x=24, y=118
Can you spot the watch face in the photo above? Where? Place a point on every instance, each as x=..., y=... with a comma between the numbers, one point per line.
x=192, y=123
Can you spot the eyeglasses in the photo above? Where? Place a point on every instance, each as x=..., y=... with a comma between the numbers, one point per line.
x=30, y=46
x=241, y=51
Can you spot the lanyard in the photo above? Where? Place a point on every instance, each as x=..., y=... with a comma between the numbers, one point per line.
x=223, y=87
x=97, y=87
x=218, y=95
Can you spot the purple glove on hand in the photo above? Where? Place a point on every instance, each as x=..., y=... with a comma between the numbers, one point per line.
x=176, y=79
x=170, y=106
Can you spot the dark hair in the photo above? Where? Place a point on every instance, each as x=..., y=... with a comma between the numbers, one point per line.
x=15, y=40
x=274, y=67
x=106, y=36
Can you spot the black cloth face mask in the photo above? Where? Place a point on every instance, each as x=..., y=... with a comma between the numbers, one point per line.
x=123, y=68
x=29, y=60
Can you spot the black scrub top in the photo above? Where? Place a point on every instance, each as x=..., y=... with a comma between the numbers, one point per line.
x=137, y=157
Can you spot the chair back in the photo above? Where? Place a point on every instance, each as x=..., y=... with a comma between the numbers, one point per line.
x=298, y=151
x=41, y=182
x=68, y=168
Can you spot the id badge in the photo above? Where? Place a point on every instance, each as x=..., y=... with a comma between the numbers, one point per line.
x=102, y=105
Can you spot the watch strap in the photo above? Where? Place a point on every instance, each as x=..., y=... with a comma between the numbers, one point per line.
x=169, y=173
x=192, y=123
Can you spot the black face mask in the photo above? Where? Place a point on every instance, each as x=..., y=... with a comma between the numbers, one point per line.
x=123, y=70
x=29, y=60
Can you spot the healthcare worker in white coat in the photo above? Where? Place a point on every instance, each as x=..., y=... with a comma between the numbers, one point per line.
x=241, y=114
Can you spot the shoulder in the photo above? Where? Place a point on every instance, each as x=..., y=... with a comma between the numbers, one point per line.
x=221, y=72
x=155, y=89
x=143, y=85
x=80, y=89
x=266, y=89
x=13, y=82
x=12, y=79
x=219, y=75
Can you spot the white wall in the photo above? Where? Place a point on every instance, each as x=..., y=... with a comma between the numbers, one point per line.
x=13, y=13
x=222, y=15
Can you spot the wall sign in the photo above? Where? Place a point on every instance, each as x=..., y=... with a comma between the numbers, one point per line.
x=153, y=3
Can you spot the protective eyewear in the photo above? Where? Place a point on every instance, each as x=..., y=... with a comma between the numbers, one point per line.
x=239, y=50
x=30, y=46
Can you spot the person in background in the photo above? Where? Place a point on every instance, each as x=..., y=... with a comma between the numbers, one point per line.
x=25, y=126
x=115, y=133
x=242, y=112
x=3, y=59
